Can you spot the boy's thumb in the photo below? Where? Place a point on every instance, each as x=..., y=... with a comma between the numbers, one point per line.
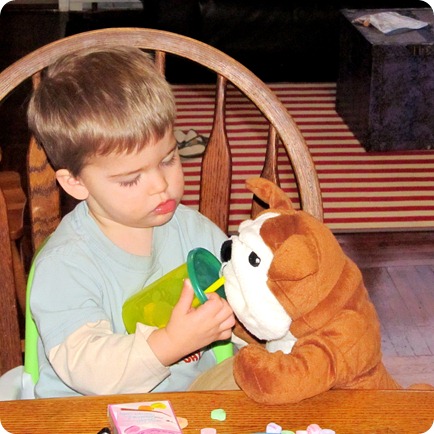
x=187, y=295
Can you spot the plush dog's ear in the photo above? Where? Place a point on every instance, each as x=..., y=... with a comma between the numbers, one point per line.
x=269, y=193
x=295, y=259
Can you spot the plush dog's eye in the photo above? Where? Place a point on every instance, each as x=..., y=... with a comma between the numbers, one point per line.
x=226, y=251
x=254, y=259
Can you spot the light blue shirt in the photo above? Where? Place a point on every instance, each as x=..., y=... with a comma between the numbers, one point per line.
x=82, y=277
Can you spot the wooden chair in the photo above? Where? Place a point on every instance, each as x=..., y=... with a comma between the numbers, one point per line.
x=15, y=200
x=44, y=203
x=10, y=342
x=43, y=193
x=12, y=275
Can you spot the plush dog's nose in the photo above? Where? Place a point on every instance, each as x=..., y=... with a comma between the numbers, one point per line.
x=226, y=251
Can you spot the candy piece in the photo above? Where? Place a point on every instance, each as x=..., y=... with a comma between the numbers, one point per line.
x=286, y=431
x=183, y=422
x=328, y=431
x=158, y=405
x=218, y=414
x=208, y=431
x=273, y=428
x=301, y=431
x=314, y=429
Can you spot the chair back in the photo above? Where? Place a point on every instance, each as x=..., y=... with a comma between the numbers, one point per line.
x=45, y=205
x=10, y=342
x=214, y=202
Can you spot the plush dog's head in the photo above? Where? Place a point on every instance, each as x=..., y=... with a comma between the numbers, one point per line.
x=290, y=284
x=247, y=260
x=280, y=267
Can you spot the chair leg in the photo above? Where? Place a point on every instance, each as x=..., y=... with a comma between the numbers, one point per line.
x=20, y=277
x=15, y=199
x=10, y=344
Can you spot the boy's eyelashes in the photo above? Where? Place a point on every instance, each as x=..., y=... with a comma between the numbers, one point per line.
x=171, y=159
x=132, y=182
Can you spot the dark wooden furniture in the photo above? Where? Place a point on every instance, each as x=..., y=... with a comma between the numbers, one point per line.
x=346, y=412
x=385, y=86
x=12, y=274
x=10, y=344
x=15, y=198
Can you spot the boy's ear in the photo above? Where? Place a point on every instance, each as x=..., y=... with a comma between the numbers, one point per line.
x=72, y=185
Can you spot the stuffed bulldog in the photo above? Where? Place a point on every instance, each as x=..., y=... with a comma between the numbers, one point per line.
x=292, y=287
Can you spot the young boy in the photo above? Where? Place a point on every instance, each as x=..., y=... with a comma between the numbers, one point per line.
x=105, y=118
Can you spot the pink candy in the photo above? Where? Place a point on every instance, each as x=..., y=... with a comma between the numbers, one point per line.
x=315, y=429
x=208, y=431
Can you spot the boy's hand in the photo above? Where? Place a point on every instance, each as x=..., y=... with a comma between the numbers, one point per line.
x=190, y=329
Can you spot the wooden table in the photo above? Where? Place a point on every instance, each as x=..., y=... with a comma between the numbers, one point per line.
x=352, y=412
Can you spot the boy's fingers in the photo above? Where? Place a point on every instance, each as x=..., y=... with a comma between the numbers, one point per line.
x=212, y=295
x=228, y=323
x=187, y=295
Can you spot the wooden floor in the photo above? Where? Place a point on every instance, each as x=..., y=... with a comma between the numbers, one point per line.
x=398, y=270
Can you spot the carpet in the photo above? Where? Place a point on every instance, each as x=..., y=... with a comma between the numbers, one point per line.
x=375, y=191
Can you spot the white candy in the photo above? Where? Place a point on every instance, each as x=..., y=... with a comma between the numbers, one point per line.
x=273, y=428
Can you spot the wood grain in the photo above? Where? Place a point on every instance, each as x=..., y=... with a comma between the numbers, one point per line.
x=10, y=345
x=351, y=412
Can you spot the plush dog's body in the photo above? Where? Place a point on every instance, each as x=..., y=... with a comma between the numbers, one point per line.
x=291, y=285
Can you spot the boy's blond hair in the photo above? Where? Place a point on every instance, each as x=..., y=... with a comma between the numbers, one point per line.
x=99, y=101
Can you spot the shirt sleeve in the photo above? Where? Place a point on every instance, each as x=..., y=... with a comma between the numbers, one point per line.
x=93, y=360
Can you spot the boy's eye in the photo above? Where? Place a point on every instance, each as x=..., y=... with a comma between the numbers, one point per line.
x=130, y=183
x=170, y=159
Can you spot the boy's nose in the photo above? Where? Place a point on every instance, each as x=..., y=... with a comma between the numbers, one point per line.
x=159, y=183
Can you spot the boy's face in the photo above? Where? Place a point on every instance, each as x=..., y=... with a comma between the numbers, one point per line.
x=140, y=190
